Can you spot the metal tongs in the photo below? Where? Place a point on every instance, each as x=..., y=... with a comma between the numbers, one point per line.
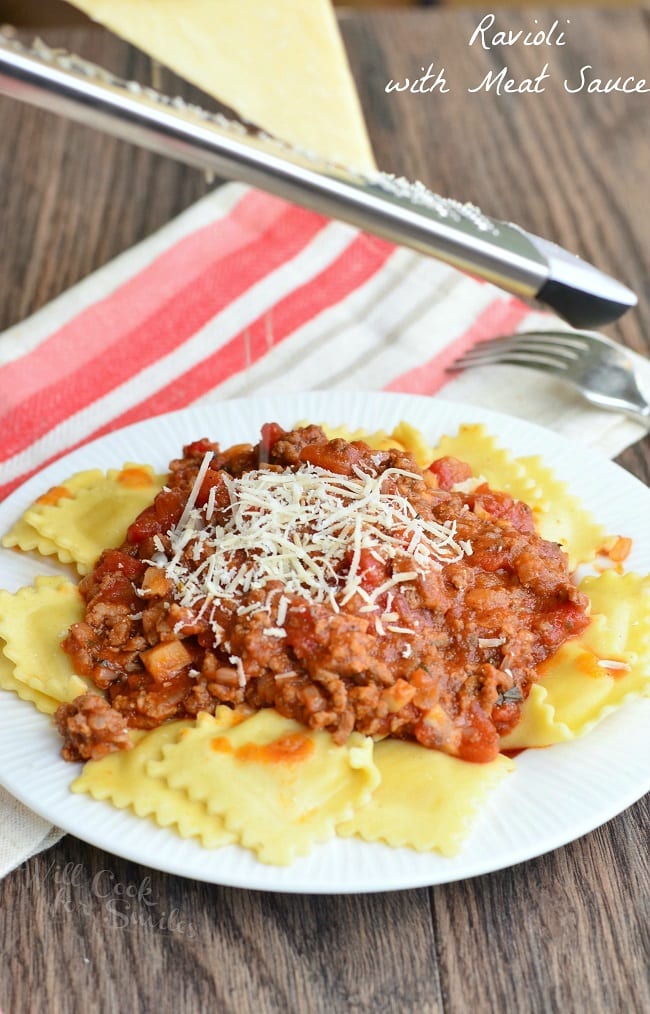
x=402, y=212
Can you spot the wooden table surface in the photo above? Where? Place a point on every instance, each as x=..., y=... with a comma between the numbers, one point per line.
x=565, y=932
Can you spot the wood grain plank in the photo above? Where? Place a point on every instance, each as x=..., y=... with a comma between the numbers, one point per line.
x=110, y=936
x=72, y=198
x=548, y=936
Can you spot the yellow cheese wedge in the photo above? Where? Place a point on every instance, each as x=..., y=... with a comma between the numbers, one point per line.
x=280, y=65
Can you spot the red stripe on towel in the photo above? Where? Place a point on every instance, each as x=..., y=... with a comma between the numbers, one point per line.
x=352, y=268
x=501, y=316
x=362, y=259
x=164, y=325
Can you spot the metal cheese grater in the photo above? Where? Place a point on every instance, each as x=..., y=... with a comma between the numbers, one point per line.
x=402, y=212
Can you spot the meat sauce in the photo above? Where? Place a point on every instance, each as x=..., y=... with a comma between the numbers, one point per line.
x=445, y=658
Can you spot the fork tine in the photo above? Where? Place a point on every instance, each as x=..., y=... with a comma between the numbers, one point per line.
x=553, y=343
x=535, y=361
x=582, y=339
x=600, y=369
x=556, y=354
x=573, y=340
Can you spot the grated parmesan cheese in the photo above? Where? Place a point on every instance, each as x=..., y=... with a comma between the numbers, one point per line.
x=293, y=531
x=610, y=663
x=239, y=666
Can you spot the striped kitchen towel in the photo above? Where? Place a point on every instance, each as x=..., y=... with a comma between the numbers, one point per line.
x=242, y=294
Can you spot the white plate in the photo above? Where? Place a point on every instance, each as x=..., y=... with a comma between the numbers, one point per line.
x=554, y=796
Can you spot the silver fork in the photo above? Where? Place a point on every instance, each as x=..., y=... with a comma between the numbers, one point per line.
x=595, y=365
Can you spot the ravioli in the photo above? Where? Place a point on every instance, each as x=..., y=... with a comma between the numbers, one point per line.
x=123, y=779
x=267, y=782
x=425, y=800
x=89, y=512
x=23, y=535
x=33, y=622
x=594, y=673
x=43, y=702
x=559, y=516
x=278, y=786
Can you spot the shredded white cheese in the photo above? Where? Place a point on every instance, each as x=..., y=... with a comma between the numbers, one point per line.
x=306, y=531
x=191, y=500
x=239, y=666
x=468, y=485
x=491, y=642
x=287, y=675
x=610, y=663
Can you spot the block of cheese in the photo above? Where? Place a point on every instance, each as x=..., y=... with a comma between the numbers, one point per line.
x=280, y=65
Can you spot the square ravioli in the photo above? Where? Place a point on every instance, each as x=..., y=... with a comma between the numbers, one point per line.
x=33, y=622
x=123, y=779
x=596, y=672
x=87, y=513
x=425, y=800
x=23, y=535
x=266, y=781
x=42, y=702
x=279, y=786
x=559, y=516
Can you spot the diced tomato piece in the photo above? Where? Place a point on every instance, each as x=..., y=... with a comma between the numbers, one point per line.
x=502, y=505
x=372, y=572
x=198, y=448
x=301, y=633
x=480, y=740
x=118, y=561
x=145, y=525
x=335, y=456
x=448, y=471
x=271, y=433
x=162, y=515
x=118, y=589
x=212, y=479
x=168, y=507
x=566, y=620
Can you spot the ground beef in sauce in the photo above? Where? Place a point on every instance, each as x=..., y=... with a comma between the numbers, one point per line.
x=479, y=626
x=91, y=728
